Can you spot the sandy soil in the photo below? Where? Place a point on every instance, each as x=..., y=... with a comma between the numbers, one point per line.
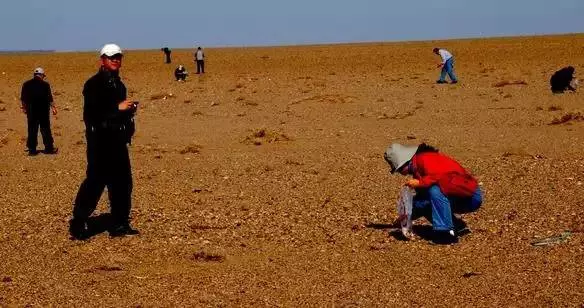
x=262, y=183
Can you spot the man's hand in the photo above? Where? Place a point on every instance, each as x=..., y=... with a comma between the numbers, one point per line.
x=54, y=110
x=413, y=183
x=127, y=105
x=23, y=108
x=440, y=65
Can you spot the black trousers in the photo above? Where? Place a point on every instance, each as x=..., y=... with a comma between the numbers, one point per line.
x=36, y=119
x=108, y=164
x=200, y=66
x=167, y=58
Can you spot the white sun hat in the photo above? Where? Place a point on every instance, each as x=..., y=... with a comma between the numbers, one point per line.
x=39, y=71
x=397, y=155
x=109, y=50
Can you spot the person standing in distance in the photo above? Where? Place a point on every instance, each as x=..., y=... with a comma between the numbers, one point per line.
x=37, y=99
x=200, y=60
x=109, y=127
x=447, y=65
x=167, y=53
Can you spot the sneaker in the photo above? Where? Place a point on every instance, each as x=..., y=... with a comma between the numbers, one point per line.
x=441, y=81
x=123, y=230
x=78, y=230
x=444, y=237
x=454, y=82
x=32, y=152
x=51, y=151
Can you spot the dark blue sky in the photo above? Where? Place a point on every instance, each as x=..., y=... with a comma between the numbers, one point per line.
x=86, y=25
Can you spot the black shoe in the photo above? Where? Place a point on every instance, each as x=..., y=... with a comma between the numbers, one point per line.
x=460, y=227
x=32, y=152
x=454, y=82
x=123, y=230
x=444, y=237
x=441, y=81
x=78, y=230
x=51, y=151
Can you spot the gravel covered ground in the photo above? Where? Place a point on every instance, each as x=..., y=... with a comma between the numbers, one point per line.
x=262, y=183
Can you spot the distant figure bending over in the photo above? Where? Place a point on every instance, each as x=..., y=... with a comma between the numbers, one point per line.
x=200, y=60
x=167, y=53
x=562, y=79
x=447, y=65
x=180, y=73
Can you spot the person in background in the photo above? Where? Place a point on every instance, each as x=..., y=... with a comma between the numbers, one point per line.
x=180, y=73
x=447, y=65
x=443, y=187
x=109, y=127
x=167, y=53
x=562, y=80
x=200, y=60
x=37, y=102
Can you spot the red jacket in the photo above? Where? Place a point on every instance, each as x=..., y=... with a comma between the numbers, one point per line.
x=429, y=167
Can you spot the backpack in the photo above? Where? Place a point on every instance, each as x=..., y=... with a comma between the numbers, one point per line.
x=455, y=184
x=458, y=184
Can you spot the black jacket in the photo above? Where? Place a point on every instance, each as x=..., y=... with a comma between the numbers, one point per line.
x=102, y=93
x=36, y=95
x=180, y=72
x=561, y=79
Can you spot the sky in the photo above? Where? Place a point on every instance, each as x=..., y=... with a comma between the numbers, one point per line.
x=68, y=25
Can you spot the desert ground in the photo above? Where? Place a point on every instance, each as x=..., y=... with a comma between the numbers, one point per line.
x=262, y=182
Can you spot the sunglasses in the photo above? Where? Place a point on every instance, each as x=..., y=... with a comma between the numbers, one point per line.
x=117, y=56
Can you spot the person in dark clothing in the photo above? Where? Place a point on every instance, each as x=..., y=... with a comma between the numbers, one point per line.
x=167, y=53
x=561, y=80
x=200, y=60
x=109, y=127
x=37, y=102
x=180, y=73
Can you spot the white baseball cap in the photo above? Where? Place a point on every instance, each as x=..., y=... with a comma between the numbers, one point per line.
x=39, y=71
x=110, y=50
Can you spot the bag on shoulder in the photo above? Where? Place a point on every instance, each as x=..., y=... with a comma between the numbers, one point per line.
x=458, y=185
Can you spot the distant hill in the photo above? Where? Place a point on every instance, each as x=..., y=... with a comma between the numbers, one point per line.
x=26, y=51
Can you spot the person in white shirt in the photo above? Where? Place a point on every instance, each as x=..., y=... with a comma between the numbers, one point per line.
x=447, y=65
x=200, y=60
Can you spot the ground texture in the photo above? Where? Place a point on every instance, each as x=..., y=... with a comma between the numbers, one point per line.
x=262, y=183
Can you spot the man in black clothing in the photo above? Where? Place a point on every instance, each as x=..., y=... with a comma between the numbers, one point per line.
x=561, y=80
x=37, y=99
x=167, y=53
x=180, y=73
x=109, y=127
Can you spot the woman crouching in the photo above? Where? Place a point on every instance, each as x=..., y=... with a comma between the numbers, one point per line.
x=443, y=187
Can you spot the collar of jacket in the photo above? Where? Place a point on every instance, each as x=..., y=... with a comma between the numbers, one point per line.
x=109, y=74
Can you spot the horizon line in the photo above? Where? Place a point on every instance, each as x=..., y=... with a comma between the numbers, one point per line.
x=332, y=43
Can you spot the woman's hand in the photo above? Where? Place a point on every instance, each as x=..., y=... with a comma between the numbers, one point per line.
x=413, y=183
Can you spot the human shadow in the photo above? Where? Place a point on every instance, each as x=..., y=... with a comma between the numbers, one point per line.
x=422, y=231
x=98, y=224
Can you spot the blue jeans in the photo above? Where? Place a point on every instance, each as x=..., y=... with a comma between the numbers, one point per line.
x=448, y=68
x=438, y=208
